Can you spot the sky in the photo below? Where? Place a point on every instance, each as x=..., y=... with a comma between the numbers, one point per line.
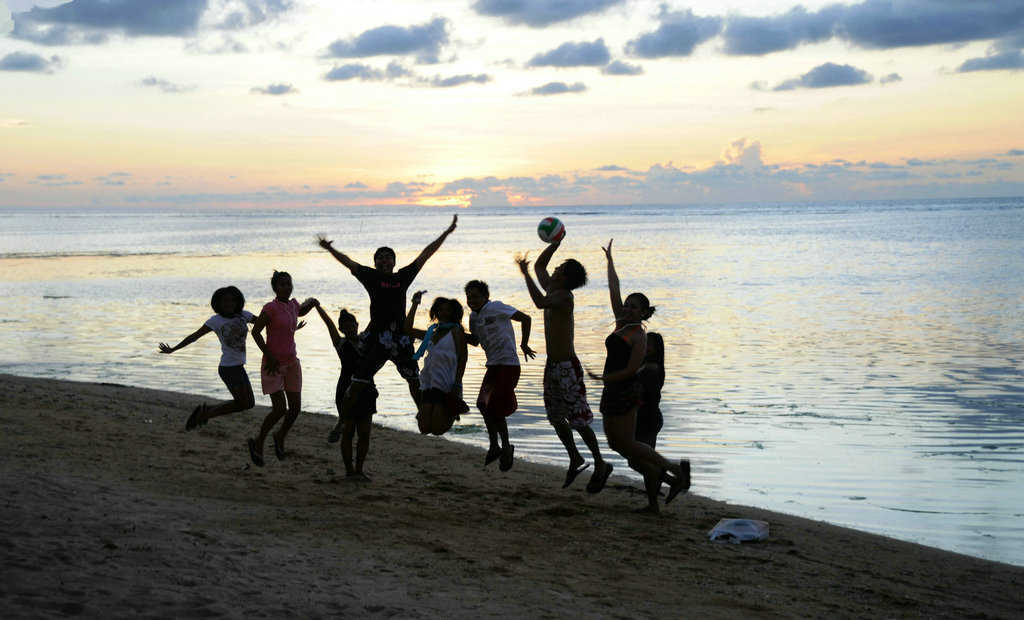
x=281, y=103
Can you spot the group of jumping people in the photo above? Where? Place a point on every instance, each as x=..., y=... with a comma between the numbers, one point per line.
x=632, y=377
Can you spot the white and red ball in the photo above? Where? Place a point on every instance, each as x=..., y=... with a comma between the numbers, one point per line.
x=551, y=230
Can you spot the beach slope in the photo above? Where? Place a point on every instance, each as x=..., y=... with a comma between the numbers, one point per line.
x=111, y=508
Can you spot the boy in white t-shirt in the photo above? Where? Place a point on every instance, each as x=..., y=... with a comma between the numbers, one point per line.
x=231, y=324
x=490, y=327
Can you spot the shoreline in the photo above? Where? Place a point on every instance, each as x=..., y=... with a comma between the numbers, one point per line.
x=113, y=508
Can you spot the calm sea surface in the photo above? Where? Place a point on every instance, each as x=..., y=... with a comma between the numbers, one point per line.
x=856, y=363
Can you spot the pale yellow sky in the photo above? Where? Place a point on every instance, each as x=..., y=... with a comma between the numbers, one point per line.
x=461, y=106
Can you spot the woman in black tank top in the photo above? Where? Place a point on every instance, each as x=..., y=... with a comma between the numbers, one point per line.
x=622, y=393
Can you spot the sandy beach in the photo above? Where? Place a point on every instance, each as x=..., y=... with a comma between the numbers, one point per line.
x=112, y=509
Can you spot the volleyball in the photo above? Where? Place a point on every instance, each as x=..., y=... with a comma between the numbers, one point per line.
x=551, y=229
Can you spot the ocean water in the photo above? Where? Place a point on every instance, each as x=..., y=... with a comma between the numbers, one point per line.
x=856, y=363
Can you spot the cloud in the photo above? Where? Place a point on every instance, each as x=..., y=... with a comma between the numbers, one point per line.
x=558, y=88
x=540, y=13
x=1011, y=60
x=274, y=89
x=242, y=14
x=584, y=54
x=1014, y=153
x=890, y=79
x=459, y=80
x=165, y=85
x=54, y=180
x=114, y=179
x=32, y=63
x=827, y=75
x=424, y=42
x=679, y=34
x=90, y=22
x=611, y=168
x=366, y=73
x=876, y=24
x=617, y=67
x=760, y=35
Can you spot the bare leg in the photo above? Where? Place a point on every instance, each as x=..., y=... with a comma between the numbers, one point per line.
x=569, y=441
x=494, y=449
x=441, y=419
x=294, y=407
x=620, y=434
x=589, y=438
x=346, y=448
x=414, y=390
x=348, y=401
x=363, y=444
x=423, y=418
x=277, y=411
x=243, y=401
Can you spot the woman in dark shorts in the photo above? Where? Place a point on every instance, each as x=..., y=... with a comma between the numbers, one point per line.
x=622, y=394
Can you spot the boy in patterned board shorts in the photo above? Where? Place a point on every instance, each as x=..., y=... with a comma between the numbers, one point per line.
x=565, y=394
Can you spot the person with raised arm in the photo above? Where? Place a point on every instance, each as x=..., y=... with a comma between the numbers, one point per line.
x=622, y=393
x=565, y=393
x=385, y=338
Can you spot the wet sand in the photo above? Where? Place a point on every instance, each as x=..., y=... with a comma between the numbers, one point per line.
x=112, y=509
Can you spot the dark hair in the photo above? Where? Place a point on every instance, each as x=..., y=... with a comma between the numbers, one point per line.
x=456, y=308
x=478, y=285
x=657, y=357
x=645, y=303
x=345, y=316
x=383, y=250
x=278, y=275
x=218, y=298
x=575, y=274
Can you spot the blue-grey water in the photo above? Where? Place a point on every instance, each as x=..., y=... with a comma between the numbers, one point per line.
x=856, y=363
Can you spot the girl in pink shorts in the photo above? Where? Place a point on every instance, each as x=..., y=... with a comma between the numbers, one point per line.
x=280, y=372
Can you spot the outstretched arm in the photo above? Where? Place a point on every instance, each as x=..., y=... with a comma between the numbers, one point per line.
x=613, y=282
x=410, y=317
x=196, y=335
x=352, y=265
x=541, y=266
x=525, y=322
x=331, y=329
x=542, y=301
x=535, y=293
x=433, y=247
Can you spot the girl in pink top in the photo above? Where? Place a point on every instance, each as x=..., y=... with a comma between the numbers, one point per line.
x=280, y=372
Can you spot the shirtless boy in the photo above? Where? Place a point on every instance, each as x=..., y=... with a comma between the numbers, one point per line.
x=565, y=394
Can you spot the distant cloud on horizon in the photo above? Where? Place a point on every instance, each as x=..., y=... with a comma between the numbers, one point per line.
x=557, y=88
x=165, y=85
x=274, y=89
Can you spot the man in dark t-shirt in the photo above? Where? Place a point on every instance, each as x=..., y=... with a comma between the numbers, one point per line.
x=385, y=338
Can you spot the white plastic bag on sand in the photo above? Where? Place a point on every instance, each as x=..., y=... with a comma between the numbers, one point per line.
x=739, y=530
